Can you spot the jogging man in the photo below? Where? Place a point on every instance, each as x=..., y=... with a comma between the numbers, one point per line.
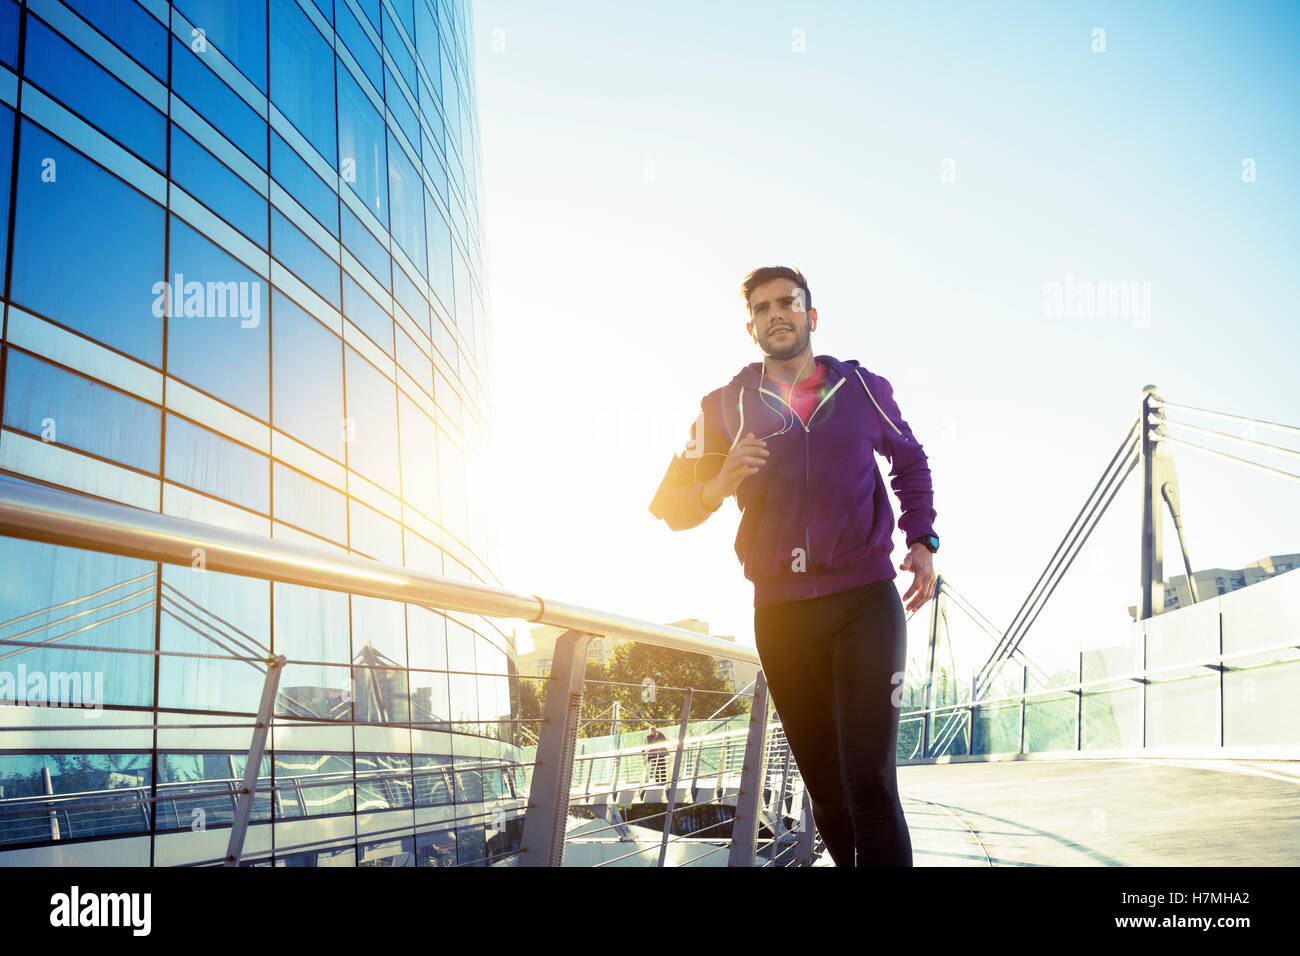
x=792, y=438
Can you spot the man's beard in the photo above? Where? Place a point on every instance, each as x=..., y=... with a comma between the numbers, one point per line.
x=801, y=338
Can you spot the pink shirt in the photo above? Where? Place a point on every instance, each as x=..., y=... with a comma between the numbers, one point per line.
x=806, y=395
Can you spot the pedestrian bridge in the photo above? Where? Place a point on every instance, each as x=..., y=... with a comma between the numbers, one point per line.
x=1175, y=745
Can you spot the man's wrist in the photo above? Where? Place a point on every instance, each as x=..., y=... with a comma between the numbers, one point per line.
x=704, y=499
x=928, y=541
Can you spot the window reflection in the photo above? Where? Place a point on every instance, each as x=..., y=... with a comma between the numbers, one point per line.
x=437, y=848
x=54, y=595
x=211, y=613
x=72, y=795
x=200, y=790
x=383, y=782
x=313, y=785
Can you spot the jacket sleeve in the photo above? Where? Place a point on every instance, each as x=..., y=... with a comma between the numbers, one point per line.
x=909, y=475
x=677, y=501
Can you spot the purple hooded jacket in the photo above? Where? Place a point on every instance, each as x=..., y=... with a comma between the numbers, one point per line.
x=816, y=518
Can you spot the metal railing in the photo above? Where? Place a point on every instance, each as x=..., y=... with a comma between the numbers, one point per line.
x=52, y=516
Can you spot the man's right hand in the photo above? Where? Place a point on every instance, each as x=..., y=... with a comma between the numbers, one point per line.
x=745, y=458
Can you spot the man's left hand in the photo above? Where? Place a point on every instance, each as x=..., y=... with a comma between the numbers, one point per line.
x=920, y=562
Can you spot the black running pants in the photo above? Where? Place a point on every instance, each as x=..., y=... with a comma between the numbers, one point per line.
x=833, y=664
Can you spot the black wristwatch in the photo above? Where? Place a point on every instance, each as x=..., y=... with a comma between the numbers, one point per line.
x=929, y=540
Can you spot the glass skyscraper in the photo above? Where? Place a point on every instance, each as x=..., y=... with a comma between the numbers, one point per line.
x=243, y=284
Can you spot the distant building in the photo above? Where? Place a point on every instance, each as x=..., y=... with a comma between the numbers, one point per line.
x=1215, y=581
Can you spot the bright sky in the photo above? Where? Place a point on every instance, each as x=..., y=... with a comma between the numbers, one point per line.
x=930, y=168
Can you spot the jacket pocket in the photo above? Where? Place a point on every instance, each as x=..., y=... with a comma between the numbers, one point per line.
x=781, y=529
x=838, y=535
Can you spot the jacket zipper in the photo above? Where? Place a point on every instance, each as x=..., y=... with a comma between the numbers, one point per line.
x=807, y=503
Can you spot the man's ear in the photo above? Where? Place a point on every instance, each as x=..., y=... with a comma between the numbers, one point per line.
x=812, y=320
x=749, y=327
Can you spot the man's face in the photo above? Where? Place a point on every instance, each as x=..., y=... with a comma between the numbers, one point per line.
x=779, y=320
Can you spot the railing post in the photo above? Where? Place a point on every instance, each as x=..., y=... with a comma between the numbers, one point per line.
x=542, y=842
x=1024, y=694
x=1220, y=670
x=807, y=830
x=970, y=731
x=1078, y=712
x=256, y=748
x=785, y=782
x=744, y=828
x=929, y=666
x=1143, y=684
x=677, y=770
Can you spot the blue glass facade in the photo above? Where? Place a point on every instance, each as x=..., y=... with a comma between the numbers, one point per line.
x=243, y=284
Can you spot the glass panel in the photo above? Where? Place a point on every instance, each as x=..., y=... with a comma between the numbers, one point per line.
x=61, y=406
x=435, y=849
x=238, y=30
x=381, y=694
x=1261, y=705
x=308, y=261
x=414, y=362
x=378, y=632
x=315, y=690
x=308, y=378
x=223, y=615
x=372, y=413
x=402, y=111
x=383, y=782
x=62, y=596
x=313, y=785
x=9, y=33
x=343, y=856
x=309, y=504
x=217, y=103
x=88, y=249
x=302, y=77
x=208, y=462
x=440, y=279
x=361, y=242
x=371, y=10
x=199, y=790
x=216, y=338
x=374, y=535
x=1049, y=724
x=212, y=183
x=302, y=183
x=419, y=458
x=1111, y=719
x=957, y=739
x=408, y=296
x=362, y=160
x=112, y=795
x=70, y=76
x=359, y=45
x=367, y=314
x=311, y=625
x=1190, y=633
x=471, y=845
x=1181, y=713
x=6, y=162
x=128, y=25
x=400, y=852
x=426, y=43
x=427, y=640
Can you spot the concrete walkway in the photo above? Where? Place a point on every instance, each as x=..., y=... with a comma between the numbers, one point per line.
x=1111, y=812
